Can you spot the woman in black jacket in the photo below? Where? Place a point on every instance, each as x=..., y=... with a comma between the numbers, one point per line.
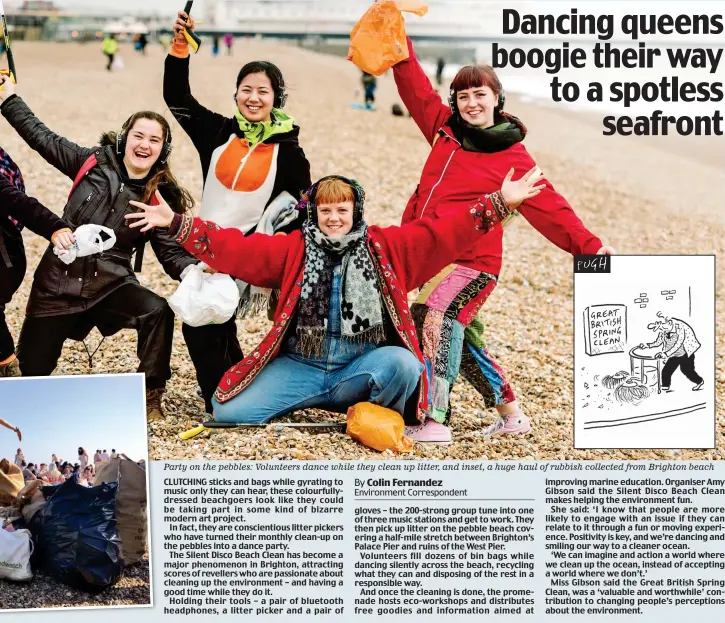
x=247, y=160
x=17, y=210
x=101, y=290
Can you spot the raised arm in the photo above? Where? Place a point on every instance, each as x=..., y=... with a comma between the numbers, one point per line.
x=15, y=429
x=28, y=211
x=420, y=98
x=59, y=152
x=200, y=123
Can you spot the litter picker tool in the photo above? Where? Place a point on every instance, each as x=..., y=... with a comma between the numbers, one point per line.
x=11, y=62
x=191, y=38
x=211, y=425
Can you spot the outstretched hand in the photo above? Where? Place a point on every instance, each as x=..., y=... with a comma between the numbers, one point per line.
x=515, y=193
x=150, y=216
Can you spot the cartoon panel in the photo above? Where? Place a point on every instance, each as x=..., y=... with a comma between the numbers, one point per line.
x=644, y=353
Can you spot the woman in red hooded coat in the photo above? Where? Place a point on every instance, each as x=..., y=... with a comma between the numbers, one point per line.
x=475, y=145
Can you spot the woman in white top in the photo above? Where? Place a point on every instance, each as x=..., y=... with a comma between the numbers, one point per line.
x=82, y=458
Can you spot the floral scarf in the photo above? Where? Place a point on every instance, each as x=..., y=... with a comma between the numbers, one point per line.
x=361, y=312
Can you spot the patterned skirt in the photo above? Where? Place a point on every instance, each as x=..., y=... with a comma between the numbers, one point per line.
x=451, y=337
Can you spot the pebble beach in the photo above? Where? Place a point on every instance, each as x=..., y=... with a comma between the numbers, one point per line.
x=642, y=195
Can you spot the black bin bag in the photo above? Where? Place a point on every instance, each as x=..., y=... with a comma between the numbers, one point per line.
x=80, y=542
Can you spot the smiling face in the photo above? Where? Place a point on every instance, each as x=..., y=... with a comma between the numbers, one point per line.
x=143, y=146
x=255, y=97
x=477, y=105
x=335, y=219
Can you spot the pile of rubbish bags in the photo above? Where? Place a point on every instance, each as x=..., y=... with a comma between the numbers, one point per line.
x=80, y=536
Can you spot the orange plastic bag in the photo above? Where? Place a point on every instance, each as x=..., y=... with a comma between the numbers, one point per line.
x=377, y=41
x=377, y=427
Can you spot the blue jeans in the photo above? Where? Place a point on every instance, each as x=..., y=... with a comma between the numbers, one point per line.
x=387, y=376
x=346, y=374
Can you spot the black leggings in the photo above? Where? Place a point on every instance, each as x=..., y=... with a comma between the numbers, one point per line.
x=129, y=307
x=685, y=364
x=10, y=280
x=110, y=61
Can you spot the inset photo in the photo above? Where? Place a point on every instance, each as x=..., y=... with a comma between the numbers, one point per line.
x=74, y=529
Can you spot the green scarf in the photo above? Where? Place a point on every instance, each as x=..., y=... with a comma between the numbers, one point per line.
x=506, y=131
x=259, y=131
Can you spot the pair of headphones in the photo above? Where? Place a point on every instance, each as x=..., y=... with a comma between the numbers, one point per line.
x=499, y=107
x=357, y=191
x=122, y=137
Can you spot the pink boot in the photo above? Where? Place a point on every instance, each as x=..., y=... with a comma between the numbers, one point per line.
x=515, y=423
x=429, y=431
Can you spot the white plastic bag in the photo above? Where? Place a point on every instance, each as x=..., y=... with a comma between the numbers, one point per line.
x=117, y=64
x=88, y=241
x=15, y=550
x=203, y=298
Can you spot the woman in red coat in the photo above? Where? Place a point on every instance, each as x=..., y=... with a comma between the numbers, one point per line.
x=475, y=144
x=342, y=329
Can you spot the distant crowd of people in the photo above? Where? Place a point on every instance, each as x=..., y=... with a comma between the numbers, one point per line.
x=58, y=470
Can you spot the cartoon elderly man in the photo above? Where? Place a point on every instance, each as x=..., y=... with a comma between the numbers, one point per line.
x=679, y=346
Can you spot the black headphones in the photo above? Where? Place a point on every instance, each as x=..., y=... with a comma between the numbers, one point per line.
x=357, y=191
x=122, y=137
x=499, y=107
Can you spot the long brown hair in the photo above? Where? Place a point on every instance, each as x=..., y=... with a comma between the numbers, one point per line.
x=178, y=198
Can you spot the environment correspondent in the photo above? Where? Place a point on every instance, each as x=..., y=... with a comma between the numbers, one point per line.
x=67, y=301
x=342, y=332
x=474, y=144
x=17, y=210
x=247, y=160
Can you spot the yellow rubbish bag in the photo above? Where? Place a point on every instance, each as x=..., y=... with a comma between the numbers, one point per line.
x=377, y=427
x=377, y=41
